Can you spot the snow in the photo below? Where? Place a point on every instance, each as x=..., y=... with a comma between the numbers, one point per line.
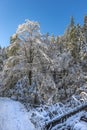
x=13, y=116
x=43, y=115
x=80, y=126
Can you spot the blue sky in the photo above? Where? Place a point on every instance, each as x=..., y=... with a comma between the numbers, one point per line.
x=53, y=15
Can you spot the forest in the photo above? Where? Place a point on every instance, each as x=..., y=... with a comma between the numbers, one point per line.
x=47, y=74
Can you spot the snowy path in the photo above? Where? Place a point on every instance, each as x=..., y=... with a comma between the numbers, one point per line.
x=13, y=116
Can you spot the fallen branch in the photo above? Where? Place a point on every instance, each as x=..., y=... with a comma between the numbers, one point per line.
x=62, y=118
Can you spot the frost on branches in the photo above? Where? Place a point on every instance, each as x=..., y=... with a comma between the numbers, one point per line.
x=28, y=30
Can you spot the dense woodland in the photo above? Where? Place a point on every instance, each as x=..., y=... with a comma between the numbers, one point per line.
x=43, y=70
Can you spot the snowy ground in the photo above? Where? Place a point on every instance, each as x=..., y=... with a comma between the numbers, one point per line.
x=40, y=116
x=13, y=116
x=80, y=126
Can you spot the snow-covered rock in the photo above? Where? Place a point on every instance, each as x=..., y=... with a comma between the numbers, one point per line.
x=13, y=116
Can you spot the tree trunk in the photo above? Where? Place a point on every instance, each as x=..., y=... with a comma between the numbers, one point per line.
x=30, y=77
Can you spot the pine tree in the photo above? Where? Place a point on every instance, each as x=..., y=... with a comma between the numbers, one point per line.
x=85, y=27
x=57, y=39
x=52, y=39
x=69, y=29
x=13, y=38
x=46, y=38
x=85, y=23
x=74, y=45
x=72, y=23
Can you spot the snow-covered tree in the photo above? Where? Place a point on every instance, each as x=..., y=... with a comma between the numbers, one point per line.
x=52, y=39
x=28, y=30
x=28, y=33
